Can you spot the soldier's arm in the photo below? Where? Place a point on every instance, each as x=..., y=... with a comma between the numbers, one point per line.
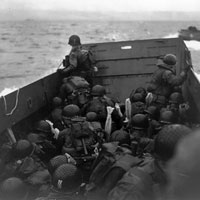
x=174, y=80
x=73, y=62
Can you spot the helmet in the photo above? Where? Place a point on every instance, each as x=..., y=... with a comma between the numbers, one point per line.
x=141, y=90
x=167, y=117
x=98, y=90
x=43, y=126
x=120, y=136
x=167, y=138
x=56, y=115
x=137, y=97
x=74, y=40
x=57, y=161
x=67, y=177
x=57, y=102
x=170, y=59
x=91, y=116
x=22, y=148
x=139, y=121
x=35, y=138
x=176, y=98
x=71, y=110
x=153, y=111
x=13, y=188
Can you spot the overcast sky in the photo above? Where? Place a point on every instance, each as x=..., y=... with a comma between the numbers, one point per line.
x=103, y=5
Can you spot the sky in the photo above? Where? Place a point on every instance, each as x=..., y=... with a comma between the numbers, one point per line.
x=102, y=5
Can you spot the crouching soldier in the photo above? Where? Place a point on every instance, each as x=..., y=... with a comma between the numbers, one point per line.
x=115, y=158
x=148, y=181
x=78, y=139
x=30, y=168
x=66, y=184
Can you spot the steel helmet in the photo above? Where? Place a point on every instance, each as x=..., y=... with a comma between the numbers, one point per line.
x=13, y=188
x=137, y=97
x=57, y=102
x=91, y=116
x=167, y=138
x=176, y=98
x=67, y=177
x=35, y=138
x=22, y=148
x=120, y=136
x=167, y=117
x=153, y=111
x=98, y=90
x=139, y=121
x=141, y=90
x=74, y=40
x=170, y=59
x=70, y=110
x=43, y=126
x=57, y=161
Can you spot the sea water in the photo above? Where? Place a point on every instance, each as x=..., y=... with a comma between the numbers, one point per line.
x=31, y=49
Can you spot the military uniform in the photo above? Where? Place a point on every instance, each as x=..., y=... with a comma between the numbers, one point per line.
x=164, y=80
x=79, y=62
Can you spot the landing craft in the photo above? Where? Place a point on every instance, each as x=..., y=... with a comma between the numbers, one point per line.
x=191, y=33
x=122, y=67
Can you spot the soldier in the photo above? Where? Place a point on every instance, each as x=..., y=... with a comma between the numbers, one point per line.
x=80, y=62
x=184, y=170
x=164, y=80
x=66, y=182
x=14, y=188
x=27, y=166
x=154, y=125
x=56, y=113
x=150, y=176
x=137, y=104
x=139, y=125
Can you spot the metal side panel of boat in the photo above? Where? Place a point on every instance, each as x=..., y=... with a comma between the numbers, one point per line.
x=27, y=101
x=123, y=66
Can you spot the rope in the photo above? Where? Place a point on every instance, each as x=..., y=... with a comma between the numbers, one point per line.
x=14, y=108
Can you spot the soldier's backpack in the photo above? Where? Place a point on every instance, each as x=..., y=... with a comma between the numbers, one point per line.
x=73, y=86
x=82, y=136
x=112, y=162
x=135, y=184
x=97, y=105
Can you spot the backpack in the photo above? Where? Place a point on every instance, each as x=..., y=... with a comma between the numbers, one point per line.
x=97, y=105
x=82, y=135
x=72, y=85
x=135, y=184
x=112, y=162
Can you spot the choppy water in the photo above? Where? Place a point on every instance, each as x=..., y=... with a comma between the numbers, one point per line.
x=32, y=49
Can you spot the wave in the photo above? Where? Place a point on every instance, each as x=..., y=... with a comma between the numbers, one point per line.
x=171, y=35
x=193, y=45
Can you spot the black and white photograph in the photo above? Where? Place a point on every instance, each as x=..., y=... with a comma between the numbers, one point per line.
x=99, y=100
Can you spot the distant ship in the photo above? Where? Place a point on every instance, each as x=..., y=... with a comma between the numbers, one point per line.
x=191, y=33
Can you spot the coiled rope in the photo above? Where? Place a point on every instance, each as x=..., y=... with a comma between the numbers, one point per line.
x=15, y=106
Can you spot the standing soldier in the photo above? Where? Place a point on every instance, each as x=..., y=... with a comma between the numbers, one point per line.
x=79, y=62
x=164, y=80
